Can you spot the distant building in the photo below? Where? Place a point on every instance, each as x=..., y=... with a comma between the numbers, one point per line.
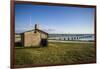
x=34, y=38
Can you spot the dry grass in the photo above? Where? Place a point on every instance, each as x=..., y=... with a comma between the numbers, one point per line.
x=57, y=53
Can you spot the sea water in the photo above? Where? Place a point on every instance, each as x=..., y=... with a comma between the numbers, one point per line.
x=84, y=37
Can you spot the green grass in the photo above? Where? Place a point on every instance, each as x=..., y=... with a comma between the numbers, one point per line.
x=56, y=53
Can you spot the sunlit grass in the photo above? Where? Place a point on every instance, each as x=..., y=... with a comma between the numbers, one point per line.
x=56, y=53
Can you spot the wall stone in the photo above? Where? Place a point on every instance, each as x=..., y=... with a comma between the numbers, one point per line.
x=33, y=39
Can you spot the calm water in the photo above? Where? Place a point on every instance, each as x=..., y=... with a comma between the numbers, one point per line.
x=85, y=37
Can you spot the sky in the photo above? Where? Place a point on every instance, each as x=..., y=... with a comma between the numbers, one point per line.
x=54, y=19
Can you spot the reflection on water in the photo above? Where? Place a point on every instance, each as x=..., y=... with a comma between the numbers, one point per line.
x=85, y=37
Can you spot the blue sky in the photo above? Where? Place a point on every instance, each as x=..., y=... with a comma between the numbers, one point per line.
x=54, y=19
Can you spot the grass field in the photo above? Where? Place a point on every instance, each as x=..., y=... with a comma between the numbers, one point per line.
x=56, y=53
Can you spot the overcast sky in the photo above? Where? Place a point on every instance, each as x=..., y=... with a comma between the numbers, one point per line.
x=54, y=19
